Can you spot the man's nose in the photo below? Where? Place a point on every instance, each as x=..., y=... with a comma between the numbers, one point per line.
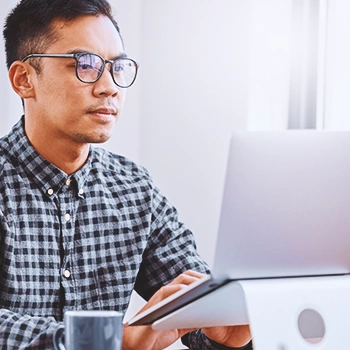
x=105, y=84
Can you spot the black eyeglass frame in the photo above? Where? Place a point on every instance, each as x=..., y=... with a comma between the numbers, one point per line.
x=76, y=56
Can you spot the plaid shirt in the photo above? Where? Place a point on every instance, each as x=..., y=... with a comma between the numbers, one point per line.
x=81, y=242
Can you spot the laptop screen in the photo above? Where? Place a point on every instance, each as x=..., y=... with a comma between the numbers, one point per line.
x=286, y=205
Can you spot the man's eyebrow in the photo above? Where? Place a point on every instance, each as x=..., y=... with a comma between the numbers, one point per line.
x=78, y=51
x=122, y=55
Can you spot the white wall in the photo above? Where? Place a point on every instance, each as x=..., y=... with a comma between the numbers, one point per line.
x=337, y=101
x=270, y=64
x=194, y=93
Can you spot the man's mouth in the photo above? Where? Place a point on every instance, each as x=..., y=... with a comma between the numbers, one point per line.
x=104, y=111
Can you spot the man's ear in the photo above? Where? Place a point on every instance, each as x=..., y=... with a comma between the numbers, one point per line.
x=21, y=74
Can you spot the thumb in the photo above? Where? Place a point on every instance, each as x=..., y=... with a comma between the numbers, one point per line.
x=182, y=332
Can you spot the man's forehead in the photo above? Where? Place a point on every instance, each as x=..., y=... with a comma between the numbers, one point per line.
x=89, y=32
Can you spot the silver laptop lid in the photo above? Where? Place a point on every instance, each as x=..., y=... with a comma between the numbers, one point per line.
x=286, y=205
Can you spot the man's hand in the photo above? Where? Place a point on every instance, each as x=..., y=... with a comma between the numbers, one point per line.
x=231, y=336
x=150, y=339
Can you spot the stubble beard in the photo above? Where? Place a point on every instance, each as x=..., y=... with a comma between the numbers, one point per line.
x=91, y=138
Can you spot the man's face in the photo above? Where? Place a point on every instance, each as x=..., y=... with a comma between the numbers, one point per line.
x=66, y=108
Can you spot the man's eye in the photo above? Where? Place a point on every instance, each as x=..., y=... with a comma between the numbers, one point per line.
x=118, y=68
x=85, y=66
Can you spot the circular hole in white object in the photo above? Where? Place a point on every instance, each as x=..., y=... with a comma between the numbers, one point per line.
x=311, y=326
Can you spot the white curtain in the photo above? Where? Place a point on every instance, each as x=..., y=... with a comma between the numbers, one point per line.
x=287, y=83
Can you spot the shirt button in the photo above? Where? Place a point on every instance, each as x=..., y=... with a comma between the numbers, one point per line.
x=81, y=191
x=67, y=217
x=66, y=273
x=50, y=191
x=68, y=181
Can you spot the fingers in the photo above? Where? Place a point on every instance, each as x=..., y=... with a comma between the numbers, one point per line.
x=194, y=273
x=187, y=277
x=166, y=291
x=180, y=282
x=161, y=294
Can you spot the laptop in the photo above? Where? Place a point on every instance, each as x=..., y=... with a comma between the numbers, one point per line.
x=285, y=213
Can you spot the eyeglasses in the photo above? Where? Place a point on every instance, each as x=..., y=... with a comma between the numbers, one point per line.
x=89, y=67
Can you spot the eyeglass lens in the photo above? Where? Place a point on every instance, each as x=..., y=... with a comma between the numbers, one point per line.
x=90, y=68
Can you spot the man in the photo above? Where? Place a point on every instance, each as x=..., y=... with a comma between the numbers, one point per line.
x=80, y=226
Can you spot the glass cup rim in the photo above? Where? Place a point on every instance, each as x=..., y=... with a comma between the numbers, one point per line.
x=92, y=313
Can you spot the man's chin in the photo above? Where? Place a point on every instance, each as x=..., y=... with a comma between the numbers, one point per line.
x=92, y=138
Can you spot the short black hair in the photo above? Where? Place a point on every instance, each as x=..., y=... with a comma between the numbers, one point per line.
x=28, y=28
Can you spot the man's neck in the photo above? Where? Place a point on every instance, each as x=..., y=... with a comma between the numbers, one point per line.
x=65, y=154
x=68, y=160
